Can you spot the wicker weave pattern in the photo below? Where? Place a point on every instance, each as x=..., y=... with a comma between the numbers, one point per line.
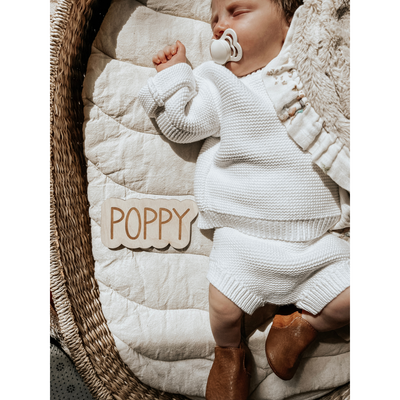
x=75, y=291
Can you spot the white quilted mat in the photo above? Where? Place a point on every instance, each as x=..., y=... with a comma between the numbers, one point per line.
x=156, y=301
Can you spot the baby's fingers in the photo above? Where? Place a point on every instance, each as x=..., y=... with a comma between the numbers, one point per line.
x=156, y=60
x=161, y=56
x=168, y=52
x=174, y=49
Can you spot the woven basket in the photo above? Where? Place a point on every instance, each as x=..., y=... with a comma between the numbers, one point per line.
x=83, y=327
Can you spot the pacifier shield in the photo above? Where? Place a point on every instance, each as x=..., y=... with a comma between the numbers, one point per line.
x=226, y=48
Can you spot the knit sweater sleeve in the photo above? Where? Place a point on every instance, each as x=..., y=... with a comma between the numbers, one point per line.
x=184, y=103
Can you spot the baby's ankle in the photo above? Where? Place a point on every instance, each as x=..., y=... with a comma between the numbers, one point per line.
x=228, y=344
x=310, y=319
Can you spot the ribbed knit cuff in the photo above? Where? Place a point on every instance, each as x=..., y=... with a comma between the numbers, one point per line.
x=292, y=231
x=232, y=289
x=326, y=286
x=147, y=101
x=163, y=85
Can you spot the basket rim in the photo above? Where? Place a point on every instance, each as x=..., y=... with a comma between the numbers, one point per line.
x=67, y=324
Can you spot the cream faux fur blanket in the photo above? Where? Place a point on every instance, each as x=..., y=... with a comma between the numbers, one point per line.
x=321, y=52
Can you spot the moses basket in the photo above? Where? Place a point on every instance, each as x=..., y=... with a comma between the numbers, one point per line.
x=81, y=323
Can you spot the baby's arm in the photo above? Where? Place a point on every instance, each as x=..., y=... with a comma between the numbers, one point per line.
x=183, y=102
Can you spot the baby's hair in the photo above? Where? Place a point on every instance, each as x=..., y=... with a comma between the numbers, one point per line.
x=288, y=7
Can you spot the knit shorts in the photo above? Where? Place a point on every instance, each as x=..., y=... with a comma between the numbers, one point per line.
x=253, y=271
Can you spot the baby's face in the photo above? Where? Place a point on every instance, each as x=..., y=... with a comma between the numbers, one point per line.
x=260, y=26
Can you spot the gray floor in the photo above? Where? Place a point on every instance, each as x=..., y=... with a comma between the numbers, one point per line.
x=65, y=382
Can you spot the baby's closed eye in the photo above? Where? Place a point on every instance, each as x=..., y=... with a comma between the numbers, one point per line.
x=240, y=11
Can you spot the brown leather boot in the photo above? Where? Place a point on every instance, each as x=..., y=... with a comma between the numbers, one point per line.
x=289, y=337
x=230, y=373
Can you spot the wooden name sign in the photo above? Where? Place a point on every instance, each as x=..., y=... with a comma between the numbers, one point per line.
x=143, y=223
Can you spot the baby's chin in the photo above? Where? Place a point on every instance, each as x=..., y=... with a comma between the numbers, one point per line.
x=241, y=70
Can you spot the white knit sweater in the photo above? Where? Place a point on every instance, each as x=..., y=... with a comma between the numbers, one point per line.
x=250, y=175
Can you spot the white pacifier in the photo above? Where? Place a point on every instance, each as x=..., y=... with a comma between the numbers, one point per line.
x=226, y=48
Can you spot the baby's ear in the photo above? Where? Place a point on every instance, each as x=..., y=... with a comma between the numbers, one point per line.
x=285, y=29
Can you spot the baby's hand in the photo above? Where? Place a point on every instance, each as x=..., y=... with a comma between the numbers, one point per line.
x=170, y=55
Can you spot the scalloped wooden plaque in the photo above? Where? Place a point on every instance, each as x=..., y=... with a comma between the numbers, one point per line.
x=144, y=223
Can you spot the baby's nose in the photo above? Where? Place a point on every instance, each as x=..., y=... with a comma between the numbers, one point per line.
x=218, y=34
x=219, y=30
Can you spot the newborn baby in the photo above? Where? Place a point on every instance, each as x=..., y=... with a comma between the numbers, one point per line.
x=270, y=205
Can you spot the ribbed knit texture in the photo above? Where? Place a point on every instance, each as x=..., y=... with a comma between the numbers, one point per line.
x=253, y=178
x=252, y=271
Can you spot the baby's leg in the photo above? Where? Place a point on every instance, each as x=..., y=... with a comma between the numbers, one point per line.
x=333, y=316
x=225, y=319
